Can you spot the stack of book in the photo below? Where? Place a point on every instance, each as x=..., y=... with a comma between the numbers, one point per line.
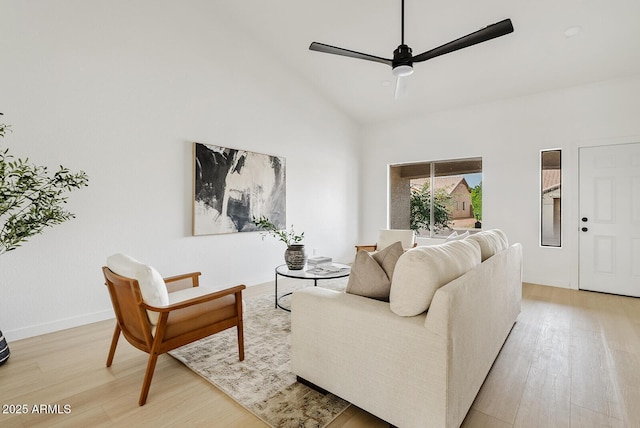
x=318, y=261
x=322, y=265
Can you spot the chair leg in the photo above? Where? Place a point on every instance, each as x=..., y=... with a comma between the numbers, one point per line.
x=151, y=366
x=114, y=343
x=240, y=328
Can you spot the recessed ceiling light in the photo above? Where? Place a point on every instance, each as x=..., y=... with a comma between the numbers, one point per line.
x=571, y=31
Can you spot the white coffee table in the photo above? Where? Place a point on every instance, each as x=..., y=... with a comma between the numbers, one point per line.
x=283, y=270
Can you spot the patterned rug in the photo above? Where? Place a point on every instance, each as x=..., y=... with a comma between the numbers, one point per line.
x=263, y=383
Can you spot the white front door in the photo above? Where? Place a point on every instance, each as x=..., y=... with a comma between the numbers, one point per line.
x=610, y=219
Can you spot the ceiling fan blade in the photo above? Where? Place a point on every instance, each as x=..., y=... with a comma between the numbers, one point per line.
x=321, y=47
x=490, y=32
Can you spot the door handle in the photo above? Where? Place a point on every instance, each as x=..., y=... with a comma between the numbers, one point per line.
x=584, y=229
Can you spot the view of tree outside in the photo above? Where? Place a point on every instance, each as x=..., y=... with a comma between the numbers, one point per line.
x=476, y=201
x=457, y=204
x=421, y=208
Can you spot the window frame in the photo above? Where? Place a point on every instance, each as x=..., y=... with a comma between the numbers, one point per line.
x=541, y=210
x=395, y=181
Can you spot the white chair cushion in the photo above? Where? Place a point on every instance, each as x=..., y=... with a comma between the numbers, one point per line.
x=491, y=242
x=387, y=237
x=421, y=271
x=152, y=286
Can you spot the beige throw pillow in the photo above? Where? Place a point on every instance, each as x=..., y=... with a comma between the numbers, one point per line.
x=388, y=258
x=421, y=271
x=371, y=273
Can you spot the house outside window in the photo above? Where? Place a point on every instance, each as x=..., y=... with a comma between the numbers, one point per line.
x=453, y=203
x=551, y=198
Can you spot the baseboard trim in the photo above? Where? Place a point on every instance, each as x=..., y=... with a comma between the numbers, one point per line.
x=51, y=327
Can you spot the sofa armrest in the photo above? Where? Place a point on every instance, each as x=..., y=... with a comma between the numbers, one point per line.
x=348, y=344
x=475, y=313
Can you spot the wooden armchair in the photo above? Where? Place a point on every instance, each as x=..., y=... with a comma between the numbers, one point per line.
x=188, y=314
x=387, y=237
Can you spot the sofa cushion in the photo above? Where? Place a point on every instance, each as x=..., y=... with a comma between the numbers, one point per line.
x=421, y=271
x=152, y=286
x=490, y=241
x=371, y=273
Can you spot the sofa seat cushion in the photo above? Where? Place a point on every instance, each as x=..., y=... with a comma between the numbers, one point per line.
x=371, y=273
x=421, y=271
x=491, y=242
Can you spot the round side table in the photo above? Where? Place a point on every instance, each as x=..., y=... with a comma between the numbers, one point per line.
x=282, y=270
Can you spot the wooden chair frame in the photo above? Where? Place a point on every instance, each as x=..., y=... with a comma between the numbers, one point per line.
x=133, y=321
x=374, y=247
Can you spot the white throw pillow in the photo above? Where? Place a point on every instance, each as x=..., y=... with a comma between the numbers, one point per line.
x=491, y=242
x=152, y=286
x=421, y=271
x=455, y=237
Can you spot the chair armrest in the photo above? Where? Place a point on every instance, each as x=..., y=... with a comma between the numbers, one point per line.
x=197, y=300
x=183, y=276
x=180, y=282
x=366, y=247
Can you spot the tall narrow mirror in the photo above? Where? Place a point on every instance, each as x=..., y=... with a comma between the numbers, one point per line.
x=550, y=198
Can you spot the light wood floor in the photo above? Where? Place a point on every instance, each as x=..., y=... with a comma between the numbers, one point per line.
x=572, y=360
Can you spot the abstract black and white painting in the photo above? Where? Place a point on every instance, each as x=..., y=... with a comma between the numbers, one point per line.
x=232, y=186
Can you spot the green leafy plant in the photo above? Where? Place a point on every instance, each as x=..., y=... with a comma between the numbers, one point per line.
x=30, y=198
x=420, y=210
x=288, y=237
x=476, y=201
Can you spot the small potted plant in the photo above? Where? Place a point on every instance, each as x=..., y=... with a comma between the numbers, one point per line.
x=294, y=255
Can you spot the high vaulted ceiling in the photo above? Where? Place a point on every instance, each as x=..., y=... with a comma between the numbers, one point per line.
x=538, y=56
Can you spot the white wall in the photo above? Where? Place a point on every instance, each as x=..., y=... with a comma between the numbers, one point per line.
x=509, y=135
x=121, y=90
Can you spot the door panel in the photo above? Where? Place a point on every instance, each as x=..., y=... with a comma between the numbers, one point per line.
x=610, y=219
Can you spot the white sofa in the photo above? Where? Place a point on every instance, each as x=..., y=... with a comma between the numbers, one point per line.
x=411, y=371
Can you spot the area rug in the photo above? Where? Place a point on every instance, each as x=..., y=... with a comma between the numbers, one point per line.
x=263, y=382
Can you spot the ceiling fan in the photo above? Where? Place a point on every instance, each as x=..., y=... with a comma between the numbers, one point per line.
x=403, y=59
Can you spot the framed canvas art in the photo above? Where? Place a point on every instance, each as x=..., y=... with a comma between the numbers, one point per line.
x=232, y=186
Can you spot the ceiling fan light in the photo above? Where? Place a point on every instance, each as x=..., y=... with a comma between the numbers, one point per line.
x=402, y=70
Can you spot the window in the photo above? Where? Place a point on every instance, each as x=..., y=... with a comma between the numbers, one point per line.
x=550, y=198
x=454, y=202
